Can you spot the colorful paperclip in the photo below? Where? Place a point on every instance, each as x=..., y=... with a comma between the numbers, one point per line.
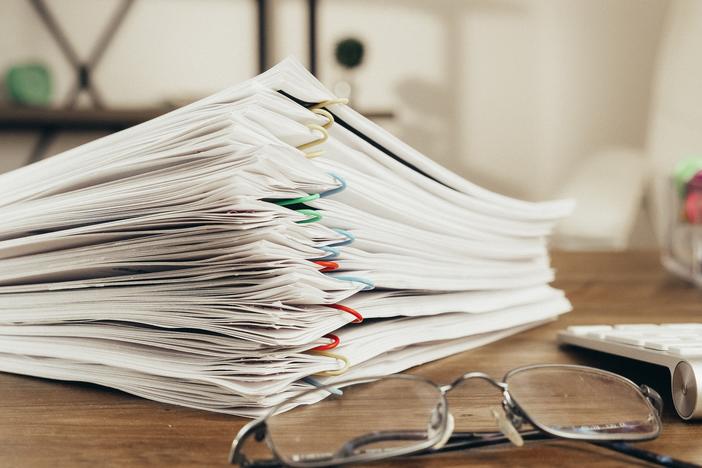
x=338, y=357
x=326, y=347
x=357, y=279
x=349, y=237
x=343, y=308
x=312, y=216
x=316, y=383
x=328, y=266
x=335, y=190
x=297, y=201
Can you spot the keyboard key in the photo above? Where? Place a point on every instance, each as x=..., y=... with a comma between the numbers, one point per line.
x=661, y=344
x=683, y=326
x=695, y=337
x=625, y=338
x=686, y=351
x=637, y=326
x=681, y=332
x=600, y=335
x=676, y=340
x=585, y=329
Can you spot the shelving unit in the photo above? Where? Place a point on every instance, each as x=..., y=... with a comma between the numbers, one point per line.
x=29, y=118
x=68, y=117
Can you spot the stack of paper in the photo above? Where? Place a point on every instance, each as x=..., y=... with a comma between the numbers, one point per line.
x=222, y=256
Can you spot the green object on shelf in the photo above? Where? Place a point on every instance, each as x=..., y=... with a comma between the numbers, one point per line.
x=686, y=170
x=349, y=52
x=29, y=84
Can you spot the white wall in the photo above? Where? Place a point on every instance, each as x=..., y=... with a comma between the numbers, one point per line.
x=510, y=93
x=675, y=130
x=165, y=49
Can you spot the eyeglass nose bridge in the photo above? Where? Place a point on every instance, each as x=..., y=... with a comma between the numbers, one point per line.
x=473, y=375
x=510, y=408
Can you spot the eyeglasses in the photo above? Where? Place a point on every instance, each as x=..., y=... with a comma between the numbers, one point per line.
x=402, y=415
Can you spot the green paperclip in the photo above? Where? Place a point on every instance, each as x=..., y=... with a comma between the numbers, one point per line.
x=313, y=216
x=298, y=200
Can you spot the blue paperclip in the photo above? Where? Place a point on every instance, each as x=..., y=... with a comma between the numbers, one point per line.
x=318, y=384
x=335, y=190
x=349, y=237
x=356, y=279
x=333, y=252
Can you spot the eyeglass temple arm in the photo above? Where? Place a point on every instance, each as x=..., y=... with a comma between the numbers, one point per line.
x=468, y=440
x=653, y=397
x=256, y=428
x=641, y=454
x=378, y=436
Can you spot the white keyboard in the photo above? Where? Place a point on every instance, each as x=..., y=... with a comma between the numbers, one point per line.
x=678, y=346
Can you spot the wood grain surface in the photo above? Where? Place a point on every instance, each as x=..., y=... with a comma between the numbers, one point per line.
x=59, y=424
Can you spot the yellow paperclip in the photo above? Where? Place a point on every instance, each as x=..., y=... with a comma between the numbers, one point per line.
x=316, y=142
x=339, y=357
x=314, y=154
x=330, y=102
x=325, y=113
x=317, y=109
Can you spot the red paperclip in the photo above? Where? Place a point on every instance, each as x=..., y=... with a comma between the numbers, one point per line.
x=359, y=317
x=334, y=343
x=328, y=266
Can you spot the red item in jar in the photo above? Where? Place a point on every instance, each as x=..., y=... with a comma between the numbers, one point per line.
x=693, y=207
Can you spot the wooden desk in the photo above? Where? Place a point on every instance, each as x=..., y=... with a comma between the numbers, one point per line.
x=47, y=423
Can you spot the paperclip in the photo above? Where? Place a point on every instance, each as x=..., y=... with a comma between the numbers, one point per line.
x=343, y=308
x=312, y=216
x=327, y=114
x=317, y=109
x=318, y=141
x=316, y=383
x=314, y=154
x=335, y=190
x=325, y=347
x=356, y=279
x=333, y=251
x=330, y=102
x=328, y=266
x=338, y=357
x=349, y=237
x=298, y=200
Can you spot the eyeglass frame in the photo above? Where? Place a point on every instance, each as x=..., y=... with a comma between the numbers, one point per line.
x=513, y=411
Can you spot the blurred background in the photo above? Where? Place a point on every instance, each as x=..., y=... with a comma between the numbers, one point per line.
x=538, y=99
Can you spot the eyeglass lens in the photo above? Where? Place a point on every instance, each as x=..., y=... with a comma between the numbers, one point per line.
x=582, y=402
x=377, y=417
